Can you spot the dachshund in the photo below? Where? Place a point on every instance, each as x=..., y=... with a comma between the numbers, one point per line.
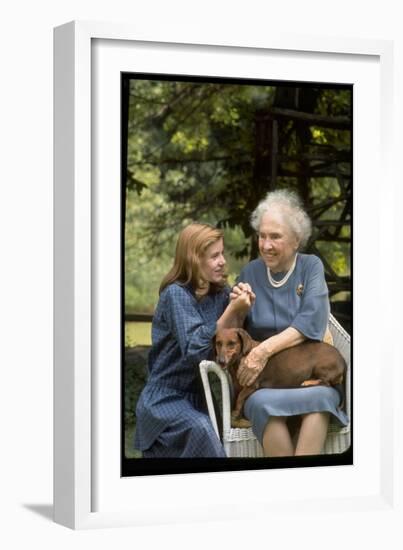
x=310, y=363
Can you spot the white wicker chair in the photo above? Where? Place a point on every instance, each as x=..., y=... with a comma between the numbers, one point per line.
x=242, y=442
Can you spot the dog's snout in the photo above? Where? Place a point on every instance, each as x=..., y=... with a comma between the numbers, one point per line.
x=222, y=361
x=227, y=348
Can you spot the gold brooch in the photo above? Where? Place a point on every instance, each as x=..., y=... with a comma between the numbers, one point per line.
x=300, y=289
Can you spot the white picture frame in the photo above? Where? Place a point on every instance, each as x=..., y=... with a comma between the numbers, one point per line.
x=88, y=489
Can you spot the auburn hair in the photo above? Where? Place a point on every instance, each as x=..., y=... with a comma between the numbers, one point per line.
x=191, y=246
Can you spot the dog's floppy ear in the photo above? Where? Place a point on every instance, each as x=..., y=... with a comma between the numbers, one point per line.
x=246, y=341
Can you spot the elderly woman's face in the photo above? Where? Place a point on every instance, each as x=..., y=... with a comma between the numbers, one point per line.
x=277, y=243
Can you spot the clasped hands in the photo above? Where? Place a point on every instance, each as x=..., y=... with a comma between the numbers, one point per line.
x=242, y=297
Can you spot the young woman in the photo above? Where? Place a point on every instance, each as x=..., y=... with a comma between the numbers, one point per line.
x=172, y=420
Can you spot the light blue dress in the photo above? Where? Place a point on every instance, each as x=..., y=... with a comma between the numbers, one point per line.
x=303, y=303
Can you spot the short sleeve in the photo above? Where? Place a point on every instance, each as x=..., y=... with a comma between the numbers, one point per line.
x=193, y=334
x=313, y=314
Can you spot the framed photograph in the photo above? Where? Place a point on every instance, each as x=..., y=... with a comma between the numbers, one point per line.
x=151, y=133
x=209, y=149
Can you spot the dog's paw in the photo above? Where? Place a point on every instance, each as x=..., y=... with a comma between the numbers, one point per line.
x=311, y=382
x=239, y=422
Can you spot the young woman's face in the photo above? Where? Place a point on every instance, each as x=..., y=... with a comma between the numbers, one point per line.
x=213, y=263
x=277, y=244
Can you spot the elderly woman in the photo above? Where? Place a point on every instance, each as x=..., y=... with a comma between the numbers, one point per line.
x=291, y=305
x=172, y=420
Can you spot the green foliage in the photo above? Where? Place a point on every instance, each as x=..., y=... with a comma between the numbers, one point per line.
x=193, y=138
x=194, y=155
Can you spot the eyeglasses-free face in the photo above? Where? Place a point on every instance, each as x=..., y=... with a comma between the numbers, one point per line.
x=277, y=243
x=212, y=264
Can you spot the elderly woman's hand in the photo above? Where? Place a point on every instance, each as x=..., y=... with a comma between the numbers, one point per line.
x=252, y=365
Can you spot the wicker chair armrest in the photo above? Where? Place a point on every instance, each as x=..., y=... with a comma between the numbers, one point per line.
x=342, y=341
x=205, y=368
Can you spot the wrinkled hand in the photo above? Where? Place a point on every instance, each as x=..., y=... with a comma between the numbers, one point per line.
x=252, y=366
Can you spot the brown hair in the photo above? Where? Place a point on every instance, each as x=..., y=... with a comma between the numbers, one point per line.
x=192, y=243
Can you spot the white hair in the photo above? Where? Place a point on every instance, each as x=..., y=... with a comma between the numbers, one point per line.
x=290, y=207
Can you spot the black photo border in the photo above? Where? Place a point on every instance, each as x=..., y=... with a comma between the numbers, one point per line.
x=148, y=466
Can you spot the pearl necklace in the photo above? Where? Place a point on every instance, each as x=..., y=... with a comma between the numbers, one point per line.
x=278, y=284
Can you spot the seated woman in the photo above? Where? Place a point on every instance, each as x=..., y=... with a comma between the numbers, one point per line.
x=291, y=305
x=172, y=420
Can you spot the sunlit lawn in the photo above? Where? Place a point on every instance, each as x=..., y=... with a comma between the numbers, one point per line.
x=130, y=452
x=137, y=334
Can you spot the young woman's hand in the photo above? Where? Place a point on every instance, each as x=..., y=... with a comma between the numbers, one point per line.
x=241, y=288
x=241, y=303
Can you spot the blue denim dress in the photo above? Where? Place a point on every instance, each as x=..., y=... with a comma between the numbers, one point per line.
x=172, y=420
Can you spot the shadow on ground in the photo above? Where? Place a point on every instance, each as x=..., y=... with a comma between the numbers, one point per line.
x=44, y=510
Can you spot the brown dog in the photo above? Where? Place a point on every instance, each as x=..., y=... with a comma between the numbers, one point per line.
x=307, y=364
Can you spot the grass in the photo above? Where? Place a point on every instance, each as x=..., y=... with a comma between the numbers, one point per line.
x=129, y=437
x=137, y=334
